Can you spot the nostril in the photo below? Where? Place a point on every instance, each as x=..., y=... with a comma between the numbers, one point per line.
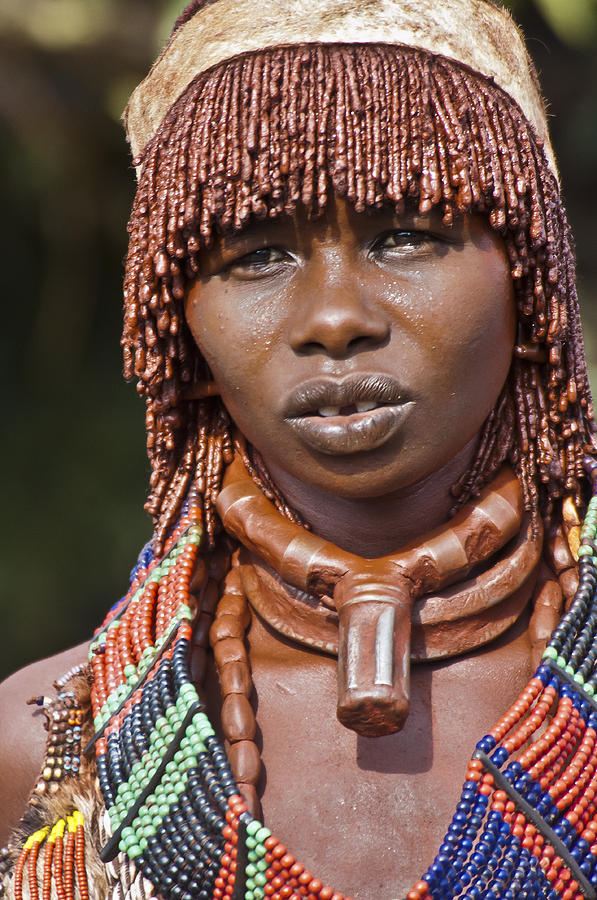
x=350, y=348
x=370, y=342
x=341, y=341
x=310, y=348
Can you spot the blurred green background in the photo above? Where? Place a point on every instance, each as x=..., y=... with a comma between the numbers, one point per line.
x=73, y=458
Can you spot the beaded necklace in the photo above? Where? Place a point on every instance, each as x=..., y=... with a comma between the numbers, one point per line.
x=525, y=825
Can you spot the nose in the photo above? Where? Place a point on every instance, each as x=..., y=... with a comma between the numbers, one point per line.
x=337, y=317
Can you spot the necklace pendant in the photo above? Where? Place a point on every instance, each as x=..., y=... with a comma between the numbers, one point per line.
x=373, y=652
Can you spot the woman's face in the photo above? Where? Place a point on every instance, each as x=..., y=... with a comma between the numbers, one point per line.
x=361, y=352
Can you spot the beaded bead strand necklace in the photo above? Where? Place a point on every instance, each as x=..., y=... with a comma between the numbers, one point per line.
x=525, y=825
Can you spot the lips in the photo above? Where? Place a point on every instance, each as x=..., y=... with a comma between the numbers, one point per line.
x=348, y=415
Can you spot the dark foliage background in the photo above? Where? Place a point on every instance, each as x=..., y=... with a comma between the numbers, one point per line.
x=73, y=460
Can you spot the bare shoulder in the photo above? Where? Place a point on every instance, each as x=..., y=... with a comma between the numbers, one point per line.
x=22, y=732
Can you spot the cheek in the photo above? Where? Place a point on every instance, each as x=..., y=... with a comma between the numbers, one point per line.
x=236, y=348
x=480, y=346
x=470, y=340
x=215, y=328
x=234, y=334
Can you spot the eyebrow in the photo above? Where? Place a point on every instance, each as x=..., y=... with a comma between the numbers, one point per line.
x=255, y=227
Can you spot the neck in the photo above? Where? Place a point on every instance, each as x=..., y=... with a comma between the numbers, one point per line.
x=375, y=526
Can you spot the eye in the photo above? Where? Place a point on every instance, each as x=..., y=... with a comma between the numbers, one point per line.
x=393, y=242
x=258, y=263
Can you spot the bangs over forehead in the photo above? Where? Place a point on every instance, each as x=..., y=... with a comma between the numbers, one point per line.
x=271, y=129
x=267, y=132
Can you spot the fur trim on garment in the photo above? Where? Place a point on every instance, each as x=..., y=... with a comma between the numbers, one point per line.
x=117, y=880
x=475, y=33
x=49, y=804
x=80, y=793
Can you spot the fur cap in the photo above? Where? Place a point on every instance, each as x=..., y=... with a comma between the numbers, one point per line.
x=475, y=33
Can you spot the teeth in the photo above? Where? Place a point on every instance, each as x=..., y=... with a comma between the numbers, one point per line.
x=365, y=407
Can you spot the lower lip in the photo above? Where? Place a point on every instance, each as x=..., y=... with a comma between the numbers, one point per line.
x=338, y=435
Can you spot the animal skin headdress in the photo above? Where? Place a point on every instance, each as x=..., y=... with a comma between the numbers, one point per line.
x=475, y=33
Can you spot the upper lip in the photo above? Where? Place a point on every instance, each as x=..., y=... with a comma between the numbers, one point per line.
x=316, y=393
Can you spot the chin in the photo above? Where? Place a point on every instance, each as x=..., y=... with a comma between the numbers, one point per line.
x=368, y=482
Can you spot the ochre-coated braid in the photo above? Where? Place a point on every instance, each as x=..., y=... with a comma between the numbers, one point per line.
x=257, y=470
x=495, y=438
x=548, y=606
x=561, y=561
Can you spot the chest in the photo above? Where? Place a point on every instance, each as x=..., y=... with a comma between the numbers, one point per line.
x=367, y=815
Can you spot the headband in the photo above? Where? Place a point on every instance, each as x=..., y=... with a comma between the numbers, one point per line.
x=475, y=33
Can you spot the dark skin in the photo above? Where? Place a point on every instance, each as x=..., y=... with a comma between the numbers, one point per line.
x=338, y=302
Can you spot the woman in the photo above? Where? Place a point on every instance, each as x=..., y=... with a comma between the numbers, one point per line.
x=350, y=307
